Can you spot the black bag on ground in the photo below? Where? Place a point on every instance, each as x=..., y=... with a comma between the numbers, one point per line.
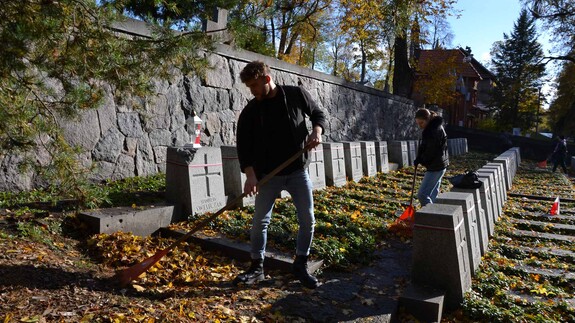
x=467, y=180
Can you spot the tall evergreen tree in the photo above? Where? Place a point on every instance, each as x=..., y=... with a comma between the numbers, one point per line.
x=562, y=109
x=518, y=65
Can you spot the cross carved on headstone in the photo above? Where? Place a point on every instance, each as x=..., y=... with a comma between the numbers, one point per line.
x=207, y=175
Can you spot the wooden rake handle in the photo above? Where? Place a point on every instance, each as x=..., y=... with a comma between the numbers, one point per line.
x=413, y=186
x=124, y=277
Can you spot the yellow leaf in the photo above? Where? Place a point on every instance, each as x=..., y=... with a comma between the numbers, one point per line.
x=138, y=288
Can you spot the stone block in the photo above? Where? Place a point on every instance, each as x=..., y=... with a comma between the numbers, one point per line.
x=334, y=161
x=425, y=304
x=381, y=157
x=465, y=200
x=490, y=176
x=353, y=160
x=368, y=158
x=140, y=221
x=499, y=186
x=501, y=174
x=506, y=168
x=487, y=204
x=194, y=180
x=411, y=151
x=518, y=154
x=440, y=253
x=234, y=179
x=398, y=153
x=316, y=168
x=451, y=147
x=482, y=221
x=512, y=163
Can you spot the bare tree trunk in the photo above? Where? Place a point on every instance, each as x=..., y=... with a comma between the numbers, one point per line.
x=402, y=74
x=363, y=63
x=273, y=34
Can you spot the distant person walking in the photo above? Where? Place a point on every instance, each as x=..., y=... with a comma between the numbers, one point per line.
x=432, y=154
x=559, y=154
x=272, y=128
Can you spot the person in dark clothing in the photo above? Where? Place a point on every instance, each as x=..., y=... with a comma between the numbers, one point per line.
x=559, y=154
x=432, y=154
x=271, y=129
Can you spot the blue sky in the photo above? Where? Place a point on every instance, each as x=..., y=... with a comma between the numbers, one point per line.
x=483, y=22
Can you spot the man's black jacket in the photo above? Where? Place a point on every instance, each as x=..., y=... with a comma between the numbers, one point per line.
x=298, y=104
x=432, y=152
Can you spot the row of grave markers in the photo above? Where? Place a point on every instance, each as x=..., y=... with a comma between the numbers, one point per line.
x=451, y=235
x=204, y=179
x=200, y=180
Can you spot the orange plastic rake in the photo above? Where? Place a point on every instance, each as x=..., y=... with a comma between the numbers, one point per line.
x=403, y=225
x=125, y=276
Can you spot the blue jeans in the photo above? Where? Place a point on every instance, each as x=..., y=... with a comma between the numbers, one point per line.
x=299, y=186
x=429, y=188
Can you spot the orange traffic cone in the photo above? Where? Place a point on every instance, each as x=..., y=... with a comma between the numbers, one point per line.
x=555, y=208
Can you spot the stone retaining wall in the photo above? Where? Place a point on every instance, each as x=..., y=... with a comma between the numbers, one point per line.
x=130, y=138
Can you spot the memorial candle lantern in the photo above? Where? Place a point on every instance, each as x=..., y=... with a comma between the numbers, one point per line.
x=195, y=129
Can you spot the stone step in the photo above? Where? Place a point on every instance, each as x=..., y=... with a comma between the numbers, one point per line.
x=541, y=235
x=554, y=252
x=141, y=220
x=544, y=217
x=541, y=198
x=532, y=299
x=547, y=272
x=239, y=250
x=563, y=229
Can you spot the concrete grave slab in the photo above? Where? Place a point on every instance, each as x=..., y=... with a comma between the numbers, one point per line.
x=451, y=147
x=381, y=157
x=500, y=174
x=487, y=204
x=194, y=180
x=512, y=163
x=500, y=184
x=445, y=265
x=334, y=161
x=140, y=221
x=353, y=160
x=316, y=168
x=411, y=151
x=482, y=220
x=398, y=153
x=234, y=179
x=495, y=187
x=425, y=304
x=368, y=158
x=465, y=200
x=241, y=250
x=506, y=167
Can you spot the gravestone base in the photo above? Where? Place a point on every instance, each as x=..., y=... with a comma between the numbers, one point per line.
x=240, y=251
x=140, y=221
x=425, y=304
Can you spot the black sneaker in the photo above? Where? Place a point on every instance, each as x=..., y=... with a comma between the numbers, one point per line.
x=253, y=275
x=300, y=272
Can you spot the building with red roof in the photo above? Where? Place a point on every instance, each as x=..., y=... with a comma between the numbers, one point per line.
x=451, y=79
